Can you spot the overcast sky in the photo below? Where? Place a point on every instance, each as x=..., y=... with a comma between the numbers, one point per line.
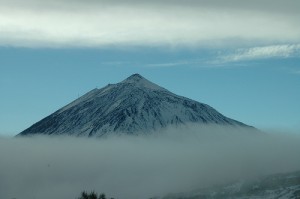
x=61, y=23
x=241, y=57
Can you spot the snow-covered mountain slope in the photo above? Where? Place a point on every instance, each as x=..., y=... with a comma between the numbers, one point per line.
x=132, y=106
x=279, y=186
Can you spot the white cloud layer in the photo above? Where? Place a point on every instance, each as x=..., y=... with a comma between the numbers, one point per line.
x=141, y=167
x=92, y=23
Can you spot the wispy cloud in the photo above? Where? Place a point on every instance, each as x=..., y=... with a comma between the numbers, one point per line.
x=297, y=72
x=237, y=57
x=177, y=63
x=273, y=51
x=93, y=23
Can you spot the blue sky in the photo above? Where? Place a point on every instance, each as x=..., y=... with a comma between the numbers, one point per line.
x=237, y=57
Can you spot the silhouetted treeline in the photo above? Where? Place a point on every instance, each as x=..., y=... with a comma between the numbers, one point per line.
x=92, y=195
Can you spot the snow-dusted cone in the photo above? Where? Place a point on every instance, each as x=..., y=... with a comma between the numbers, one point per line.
x=132, y=106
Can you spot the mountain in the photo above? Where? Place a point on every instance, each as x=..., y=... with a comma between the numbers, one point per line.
x=283, y=185
x=132, y=106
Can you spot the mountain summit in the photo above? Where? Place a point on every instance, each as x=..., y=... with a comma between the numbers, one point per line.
x=132, y=106
x=140, y=81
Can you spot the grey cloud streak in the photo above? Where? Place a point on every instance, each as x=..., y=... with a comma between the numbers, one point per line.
x=172, y=22
x=271, y=5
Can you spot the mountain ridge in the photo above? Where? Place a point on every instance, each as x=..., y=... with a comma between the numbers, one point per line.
x=132, y=106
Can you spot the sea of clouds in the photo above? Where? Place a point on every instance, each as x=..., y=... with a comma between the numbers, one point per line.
x=176, y=160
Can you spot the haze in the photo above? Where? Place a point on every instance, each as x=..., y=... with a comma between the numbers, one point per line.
x=176, y=160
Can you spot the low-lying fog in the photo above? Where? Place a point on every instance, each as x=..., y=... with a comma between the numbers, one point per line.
x=141, y=167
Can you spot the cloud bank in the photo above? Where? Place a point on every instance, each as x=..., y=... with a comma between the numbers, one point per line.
x=141, y=167
x=191, y=23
